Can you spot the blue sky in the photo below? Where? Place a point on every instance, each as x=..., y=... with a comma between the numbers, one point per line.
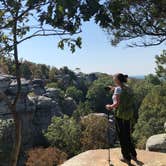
x=96, y=55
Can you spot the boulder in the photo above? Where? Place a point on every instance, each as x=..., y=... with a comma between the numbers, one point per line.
x=24, y=104
x=69, y=105
x=156, y=143
x=46, y=104
x=99, y=157
x=43, y=102
x=4, y=82
x=38, y=86
x=38, y=90
x=4, y=110
x=3, y=106
x=38, y=82
x=25, y=87
x=52, y=93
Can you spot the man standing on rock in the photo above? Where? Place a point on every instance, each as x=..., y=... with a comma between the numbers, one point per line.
x=123, y=109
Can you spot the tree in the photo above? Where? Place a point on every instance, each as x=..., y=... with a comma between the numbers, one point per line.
x=97, y=96
x=142, y=23
x=25, y=70
x=3, y=65
x=152, y=79
x=21, y=20
x=49, y=156
x=11, y=66
x=75, y=93
x=94, y=132
x=151, y=115
x=65, y=70
x=38, y=70
x=83, y=109
x=44, y=70
x=161, y=65
x=52, y=74
x=64, y=133
x=140, y=88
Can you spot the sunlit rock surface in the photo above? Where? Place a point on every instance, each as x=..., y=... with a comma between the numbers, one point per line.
x=156, y=143
x=100, y=158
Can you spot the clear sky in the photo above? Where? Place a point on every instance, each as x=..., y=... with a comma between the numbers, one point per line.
x=96, y=55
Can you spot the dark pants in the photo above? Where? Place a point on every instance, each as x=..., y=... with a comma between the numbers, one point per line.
x=124, y=135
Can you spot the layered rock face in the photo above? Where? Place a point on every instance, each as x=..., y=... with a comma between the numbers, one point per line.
x=39, y=99
x=36, y=107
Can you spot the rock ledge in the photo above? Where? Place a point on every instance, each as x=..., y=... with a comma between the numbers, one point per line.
x=99, y=158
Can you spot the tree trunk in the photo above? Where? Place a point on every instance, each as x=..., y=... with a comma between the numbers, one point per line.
x=17, y=140
x=17, y=120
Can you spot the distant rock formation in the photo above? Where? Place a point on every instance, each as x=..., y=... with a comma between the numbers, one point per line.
x=99, y=157
x=36, y=106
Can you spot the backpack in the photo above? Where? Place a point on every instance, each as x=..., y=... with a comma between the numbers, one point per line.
x=125, y=109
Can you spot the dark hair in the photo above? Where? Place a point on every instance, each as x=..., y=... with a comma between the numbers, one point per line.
x=121, y=77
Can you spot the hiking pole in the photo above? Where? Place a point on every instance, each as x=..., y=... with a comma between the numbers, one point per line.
x=108, y=132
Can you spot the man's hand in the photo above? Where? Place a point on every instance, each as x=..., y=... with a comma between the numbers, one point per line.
x=108, y=107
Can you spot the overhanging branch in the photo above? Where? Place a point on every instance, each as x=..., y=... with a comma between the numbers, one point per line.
x=38, y=34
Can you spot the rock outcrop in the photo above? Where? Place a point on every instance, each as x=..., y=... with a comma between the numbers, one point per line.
x=36, y=106
x=4, y=82
x=69, y=105
x=38, y=86
x=100, y=158
x=156, y=143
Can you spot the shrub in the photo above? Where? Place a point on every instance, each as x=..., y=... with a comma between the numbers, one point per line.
x=151, y=115
x=64, y=133
x=94, y=134
x=6, y=139
x=52, y=85
x=82, y=110
x=75, y=93
x=73, y=136
x=45, y=157
x=97, y=96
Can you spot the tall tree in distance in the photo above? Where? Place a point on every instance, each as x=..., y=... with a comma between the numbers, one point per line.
x=3, y=65
x=161, y=65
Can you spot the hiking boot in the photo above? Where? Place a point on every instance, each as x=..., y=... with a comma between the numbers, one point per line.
x=126, y=161
x=134, y=158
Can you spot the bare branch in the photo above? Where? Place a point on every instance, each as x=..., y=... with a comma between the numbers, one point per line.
x=145, y=44
x=54, y=33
